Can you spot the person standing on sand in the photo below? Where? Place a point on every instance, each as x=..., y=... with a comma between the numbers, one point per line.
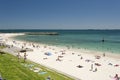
x=91, y=67
x=18, y=56
x=103, y=54
x=25, y=56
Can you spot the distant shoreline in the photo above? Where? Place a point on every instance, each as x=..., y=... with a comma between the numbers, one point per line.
x=50, y=30
x=42, y=33
x=59, y=29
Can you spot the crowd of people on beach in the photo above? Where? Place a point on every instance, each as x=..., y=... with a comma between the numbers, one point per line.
x=92, y=68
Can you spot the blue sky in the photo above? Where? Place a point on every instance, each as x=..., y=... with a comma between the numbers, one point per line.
x=59, y=14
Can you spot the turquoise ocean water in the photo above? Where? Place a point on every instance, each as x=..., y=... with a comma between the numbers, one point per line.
x=88, y=39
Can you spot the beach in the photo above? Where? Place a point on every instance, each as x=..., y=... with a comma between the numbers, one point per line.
x=80, y=64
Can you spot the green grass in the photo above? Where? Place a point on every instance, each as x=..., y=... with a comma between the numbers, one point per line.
x=11, y=69
x=1, y=47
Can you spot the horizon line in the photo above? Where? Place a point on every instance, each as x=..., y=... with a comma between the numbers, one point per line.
x=59, y=29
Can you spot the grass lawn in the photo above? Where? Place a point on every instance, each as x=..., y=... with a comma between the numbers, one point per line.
x=1, y=47
x=11, y=69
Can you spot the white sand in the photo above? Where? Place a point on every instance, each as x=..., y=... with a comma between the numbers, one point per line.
x=69, y=62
